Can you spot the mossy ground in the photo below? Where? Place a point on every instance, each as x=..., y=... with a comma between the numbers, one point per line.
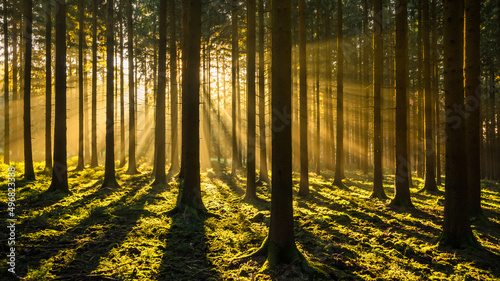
x=127, y=233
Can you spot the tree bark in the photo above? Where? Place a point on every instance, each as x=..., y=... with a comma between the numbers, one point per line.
x=81, y=28
x=234, y=63
x=173, y=91
x=6, y=148
x=304, y=157
x=29, y=172
x=263, y=175
x=132, y=166
x=94, y=161
x=339, y=174
x=122, y=90
x=48, y=86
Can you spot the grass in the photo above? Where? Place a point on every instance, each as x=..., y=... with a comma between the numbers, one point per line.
x=127, y=233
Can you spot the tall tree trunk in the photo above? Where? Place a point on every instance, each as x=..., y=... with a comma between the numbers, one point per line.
x=29, y=172
x=234, y=69
x=93, y=161
x=6, y=148
x=122, y=90
x=160, y=176
x=60, y=170
x=378, y=187
x=339, y=174
x=402, y=184
x=251, y=189
x=191, y=191
x=366, y=85
x=132, y=166
x=263, y=176
x=81, y=42
x=15, y=94
x=173, y=91
x=430, y=152
x=457, y=232
x=48, y=86
x=109, y=167
x=317, y=146
x=304, y=157
x=435, y=90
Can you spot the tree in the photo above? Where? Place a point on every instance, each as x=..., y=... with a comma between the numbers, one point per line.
x=174, y=167
x=159, y=169
x=457, y=232
x=109, y=166
x=339, y=173
x=81, y=42
x=48, y=85
x=122, y=90
x=378, y=187
x=472, y=84
x=234, y=63
x=366, y=85
x=263, y=176
x=60, y=169
x=304, y=159
x=29, y=172
x=132, y=166
x=402, y=183
x=251, y=189
x=93, y=161
x=6, y=148
x=190, y=195
x=430, y=152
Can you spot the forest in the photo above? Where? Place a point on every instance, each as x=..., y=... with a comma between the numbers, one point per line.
x=250, y=140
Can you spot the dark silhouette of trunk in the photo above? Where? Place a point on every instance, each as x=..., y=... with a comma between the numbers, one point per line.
x=339, y=173
x=420, y=147
x=251, y=189
x=48, y=86
x=234, y=69
x=190, y=195
x=430, y=152
x=81, y=43
x=122, y=90
x=402, y=183
x=159, y=170
x=60, y=170
x=317, y=152
x=328, y=143
x=378, y=188
x=29, y=172
x=366, y=85
x=132, y=166
x=174, y=100
x=15, y=93
x=435, y=90
x=263, y=176
x=472, y=92
x=109, y=166
x=304, y=159
x=457, y=232
x=93, y=161
x=6, y=148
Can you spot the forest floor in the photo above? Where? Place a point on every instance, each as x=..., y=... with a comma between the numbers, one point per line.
x=128, y=234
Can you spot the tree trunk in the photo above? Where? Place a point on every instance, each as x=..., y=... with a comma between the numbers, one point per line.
x=317, y=149
x=6, y=148
x=263, y=176
x=251, y=189
x=402, y=185
x=60, y=170
x=378, y=188
x=132, y=166
x=81, y=28
x=366, y=85
x=457, y=232
x=234, y=62
x=48, y=86
x=160, y=176
x=191, y=191
x=435, y=90
x=122, y=90
x=304, y=158
x=29, y=172
x=173, y=91
x=339, y=174
x=109, y=167
x=93, y=161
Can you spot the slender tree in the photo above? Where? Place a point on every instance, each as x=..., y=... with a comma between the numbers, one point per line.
x=472, y=91
x=81, y=43
x=234, y=69
x=29, y=172
x=304, y=158
x=251, y=189
x=48, y=85
x=339, y=173
x=173, y=91
x=366, y=85
x=122, y=88
x=60, y=169
x=159, y=170
x=132, y=166
x=6, y=148
x=109, y=166
x=402, y=184
x=93, y=161
x=457, y=232
x=378, y=188
x=263, y=176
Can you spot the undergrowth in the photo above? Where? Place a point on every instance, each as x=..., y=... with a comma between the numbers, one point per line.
x=128, y=234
